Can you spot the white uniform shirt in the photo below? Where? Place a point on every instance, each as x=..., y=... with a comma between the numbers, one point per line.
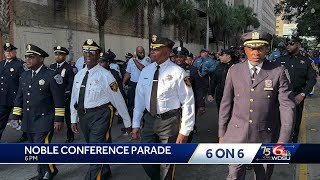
x=133, y=69
x=98, y=92
x=259, y=66
x=79, y=63
x=172, y=93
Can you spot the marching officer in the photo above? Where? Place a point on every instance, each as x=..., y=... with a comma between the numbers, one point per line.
x=11, y=69
x=134, y=68
x=180, y=56
x=163, y=89
x=257, y=104
x=302, y=76
x=94, y=92
x=65, y=70
x=227, y=59
x=39, y=104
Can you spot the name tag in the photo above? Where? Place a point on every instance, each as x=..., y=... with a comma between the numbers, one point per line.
x=268, y=89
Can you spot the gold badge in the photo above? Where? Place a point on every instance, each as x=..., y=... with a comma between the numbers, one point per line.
x=114, y=86
x=11, y=69
x=187, y=81
x=28, y=47
x=7, y=44
x=63, y=72
x=41, y=82
x=89, y=41
x=154, y=38
x=255, y=35
x=169, y=77
x=268, y=85
x=302, y=61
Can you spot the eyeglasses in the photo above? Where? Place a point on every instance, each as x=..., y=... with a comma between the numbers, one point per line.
x=90, y=52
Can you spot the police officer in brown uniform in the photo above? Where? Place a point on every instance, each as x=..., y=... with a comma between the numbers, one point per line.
x=257, y=104
x=303, y=78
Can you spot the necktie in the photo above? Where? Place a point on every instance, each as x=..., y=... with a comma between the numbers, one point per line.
x=5, y=63
x=84, y=65
x=82, y=94
x=254, y=75
x=153, y=99
x=58, y=66
x=34, y=74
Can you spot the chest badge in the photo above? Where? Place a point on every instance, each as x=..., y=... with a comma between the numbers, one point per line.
x=268, y=85
x=302, y=61
x=11, y=69
x=63, y=72
x=169, y=78
x=95, y=82
x=58, y=79
x=41, y=82
x=187, y=82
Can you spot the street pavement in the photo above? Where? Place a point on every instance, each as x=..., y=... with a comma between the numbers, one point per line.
x=207, y=133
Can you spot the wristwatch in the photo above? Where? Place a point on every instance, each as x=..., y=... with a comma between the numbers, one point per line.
x=303, y=94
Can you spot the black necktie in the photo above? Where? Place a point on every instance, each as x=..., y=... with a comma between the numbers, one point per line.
x=153, y=99
x=58, y=66
x=5, y=63
x=34, y=74
x=254, y=75
x=84, y=65
x=82, y=94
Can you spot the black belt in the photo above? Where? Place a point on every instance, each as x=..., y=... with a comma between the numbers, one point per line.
x=131, y=83
x=167, y=114
x=89, y=110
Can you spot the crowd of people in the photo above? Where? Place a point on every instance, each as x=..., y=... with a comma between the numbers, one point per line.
x=158, y=97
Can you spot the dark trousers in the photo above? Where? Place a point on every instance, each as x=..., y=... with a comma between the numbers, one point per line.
x=159, y=130
x=96, y=128
x=299, y=111
x=131, y=94
x=4, y=115
x=44, y=137
x=261, y=171
x=67, y=118
x=191, y=134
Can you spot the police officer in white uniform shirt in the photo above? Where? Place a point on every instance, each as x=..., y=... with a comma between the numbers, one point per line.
x=165, y=92
x=134, y=68
x=94, y=90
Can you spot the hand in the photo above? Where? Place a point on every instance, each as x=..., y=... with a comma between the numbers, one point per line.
x=201, y=110
x=181, y=139
x=135, y=133
x=210, y=98
x=279, y=142
x=74, y=127
x=298, y=99
x=14, y=121
x=128, y=130
x=220, y=140
x=58, y=126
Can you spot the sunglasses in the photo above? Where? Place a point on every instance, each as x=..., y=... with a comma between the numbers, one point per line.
x=90, y=52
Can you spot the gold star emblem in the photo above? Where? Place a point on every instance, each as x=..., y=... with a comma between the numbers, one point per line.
x=89, y=41
x=255, y=35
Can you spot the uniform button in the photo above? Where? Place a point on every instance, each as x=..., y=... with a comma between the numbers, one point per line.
x=251, y=110
x=1, y=89
x=238, y=94
x=29, y=86
x=236, y=126
x=269, y=96
x=27, y=102
x=252, y=90
x=268, y=129
x=251, y=100
x=1, y=77
x=250, y=121
x=1, y=83
x=27, y=109
x=42, y=114
x=28, y=94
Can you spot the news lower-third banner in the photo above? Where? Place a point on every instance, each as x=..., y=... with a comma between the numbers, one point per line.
x=159, y=153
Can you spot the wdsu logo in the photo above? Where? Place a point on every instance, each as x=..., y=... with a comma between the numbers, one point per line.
x=277, y=152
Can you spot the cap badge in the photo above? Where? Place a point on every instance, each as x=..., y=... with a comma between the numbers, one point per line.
x=255, y=35
x=59, y=47
x=179, y=49
x=154, y=38
x=101, y=54
x=7, y=44
x=89, y=41
x=29, y=47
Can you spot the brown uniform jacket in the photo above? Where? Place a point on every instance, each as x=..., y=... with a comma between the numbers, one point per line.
x=258, y=112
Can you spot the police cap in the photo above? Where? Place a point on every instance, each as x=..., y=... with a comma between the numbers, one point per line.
x=9, y=47
x=162, y=42
x=180, y=51
x=60, y=49
x=33, y=49
x=90, y=44
x=256, y=39
x=107, y=56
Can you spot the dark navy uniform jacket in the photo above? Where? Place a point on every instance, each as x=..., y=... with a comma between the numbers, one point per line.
x=198, y=85
x=9, y=80
x=40, y=101
x=67, y=74
x=302, y=75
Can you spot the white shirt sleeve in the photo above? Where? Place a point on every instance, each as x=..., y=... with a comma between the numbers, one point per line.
x=117, y=100
x=74, y=99
x=139, y=104
x=129, y=70
x=186, y=98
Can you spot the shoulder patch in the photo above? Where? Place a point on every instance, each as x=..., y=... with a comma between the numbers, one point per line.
x=58, y=78
x=114, y=86
x=187, y=81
